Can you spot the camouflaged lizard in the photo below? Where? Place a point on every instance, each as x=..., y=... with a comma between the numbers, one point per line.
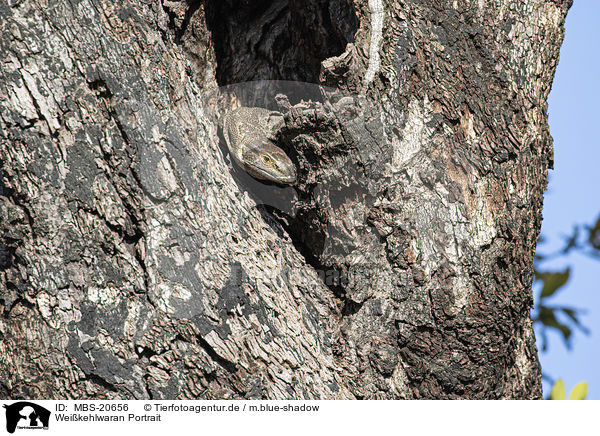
x=249, y=134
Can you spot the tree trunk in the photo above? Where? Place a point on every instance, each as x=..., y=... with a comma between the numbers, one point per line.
x=137, y=262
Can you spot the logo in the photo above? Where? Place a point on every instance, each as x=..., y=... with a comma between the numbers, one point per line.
x=26, y=415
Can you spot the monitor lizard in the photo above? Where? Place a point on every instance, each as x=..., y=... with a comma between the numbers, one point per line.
x=249, y=134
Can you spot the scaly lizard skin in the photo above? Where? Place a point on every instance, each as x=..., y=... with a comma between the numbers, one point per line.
x=249, y=134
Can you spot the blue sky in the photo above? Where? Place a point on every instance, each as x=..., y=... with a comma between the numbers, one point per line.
x=573, y=195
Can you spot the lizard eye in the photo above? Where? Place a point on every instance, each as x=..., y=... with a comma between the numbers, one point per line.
x=267, y=159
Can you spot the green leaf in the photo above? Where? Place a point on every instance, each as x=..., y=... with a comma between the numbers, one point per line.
x=579, y=392
x=547, y=317
x=573, y=315
x=558, y=390
x=553, y=281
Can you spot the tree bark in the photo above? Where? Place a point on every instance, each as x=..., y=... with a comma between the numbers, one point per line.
x=137, y=262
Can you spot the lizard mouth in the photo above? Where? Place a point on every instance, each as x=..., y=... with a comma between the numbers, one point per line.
x=288, y=179
x=277, y=177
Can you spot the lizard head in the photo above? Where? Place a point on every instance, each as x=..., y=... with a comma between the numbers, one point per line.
x=264, y=160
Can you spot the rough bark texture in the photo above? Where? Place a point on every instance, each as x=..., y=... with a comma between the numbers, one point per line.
x=135, y=262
